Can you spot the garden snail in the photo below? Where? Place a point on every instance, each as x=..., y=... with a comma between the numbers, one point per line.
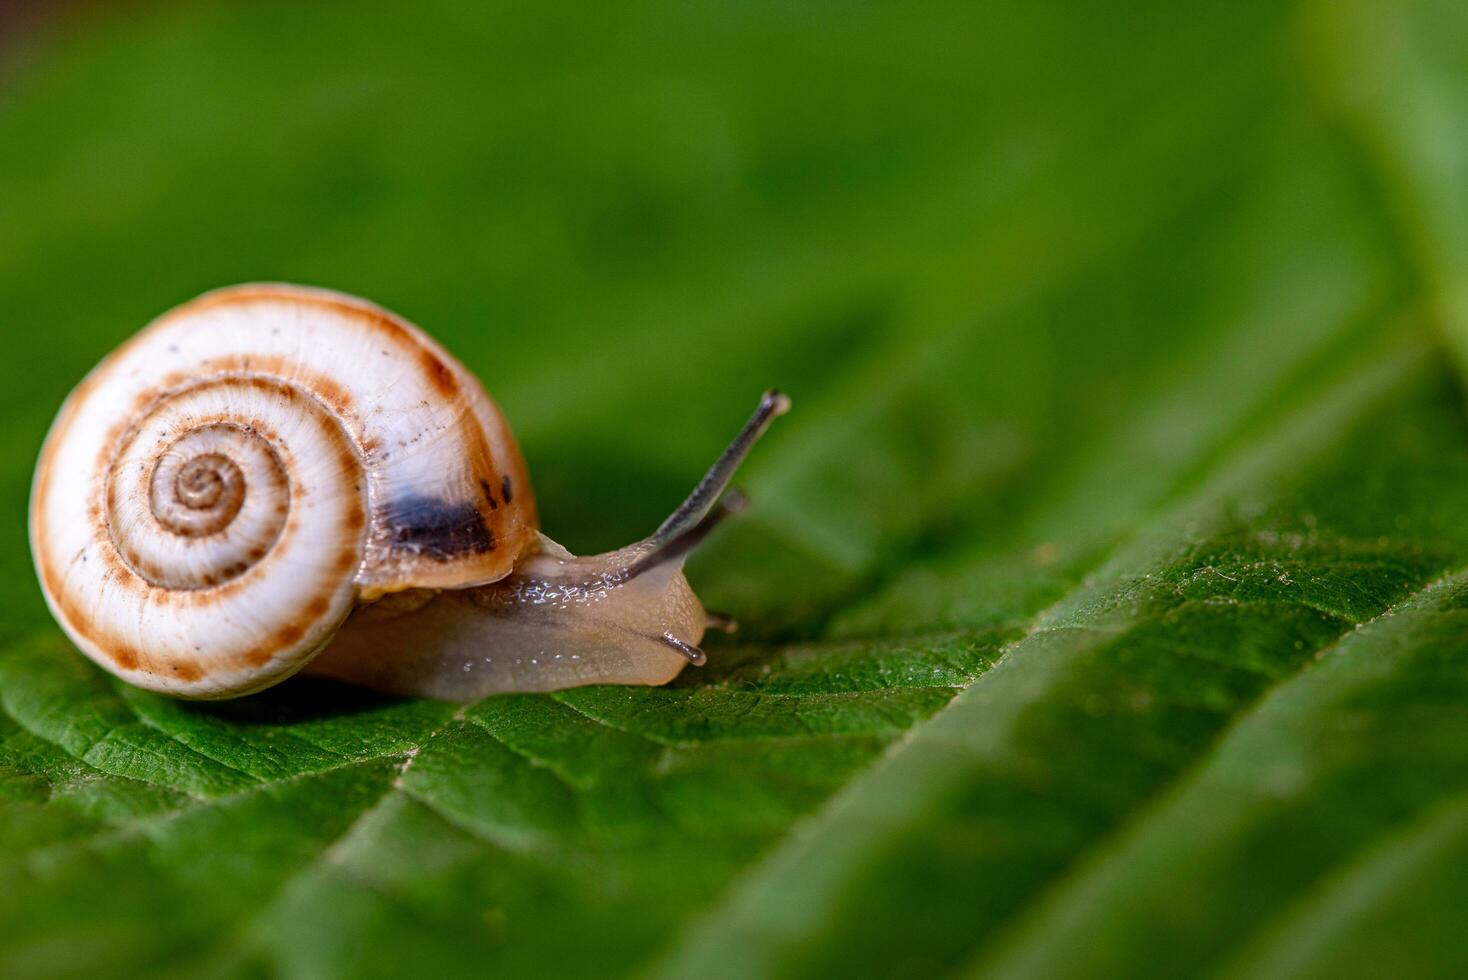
x=272, y=478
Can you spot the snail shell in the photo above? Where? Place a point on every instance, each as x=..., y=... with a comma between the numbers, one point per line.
x=221, y=494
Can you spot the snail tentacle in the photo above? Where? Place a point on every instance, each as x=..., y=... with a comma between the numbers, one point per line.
x=772, y=405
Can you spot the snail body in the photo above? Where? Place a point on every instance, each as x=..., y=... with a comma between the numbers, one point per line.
x=274, y=478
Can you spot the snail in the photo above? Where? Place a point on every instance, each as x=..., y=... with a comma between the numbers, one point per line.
x=275, y=478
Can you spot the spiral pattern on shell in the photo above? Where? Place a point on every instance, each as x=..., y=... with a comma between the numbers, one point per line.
x=217, y=497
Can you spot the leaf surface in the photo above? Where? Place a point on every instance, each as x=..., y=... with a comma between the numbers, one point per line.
x=1104, y=596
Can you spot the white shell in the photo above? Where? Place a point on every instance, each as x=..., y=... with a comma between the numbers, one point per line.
x=374, y=462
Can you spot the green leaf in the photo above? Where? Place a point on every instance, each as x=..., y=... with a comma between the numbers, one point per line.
x=1104, y=595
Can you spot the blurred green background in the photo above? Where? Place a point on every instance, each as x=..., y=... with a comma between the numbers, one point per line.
x=1124, y=342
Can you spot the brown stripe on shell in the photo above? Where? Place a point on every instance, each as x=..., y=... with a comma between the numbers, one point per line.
x=347, y=561
x=375, y=317
x=298, y=624
x=440, y=375
x=296, y=628
x=188, y=671
x=125, y=657
x=289, y=635
x=377, y=320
